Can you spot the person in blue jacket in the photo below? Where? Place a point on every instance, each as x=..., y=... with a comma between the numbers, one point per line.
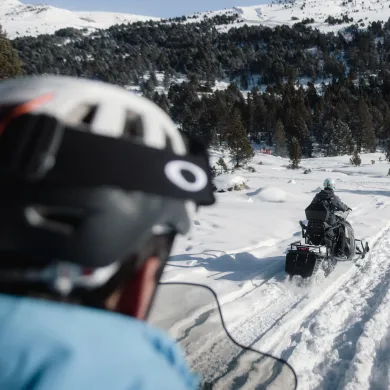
x=95, y=185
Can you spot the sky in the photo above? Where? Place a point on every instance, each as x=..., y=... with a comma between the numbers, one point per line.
x=159, y=8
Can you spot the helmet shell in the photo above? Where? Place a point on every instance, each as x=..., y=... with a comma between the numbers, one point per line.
x=329, y=183
x=93, y=227
x=105, y=107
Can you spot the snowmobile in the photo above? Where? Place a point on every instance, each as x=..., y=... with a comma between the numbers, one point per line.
x=324, y=245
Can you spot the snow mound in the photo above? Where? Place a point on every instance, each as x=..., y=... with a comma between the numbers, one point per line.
x=272, y=195
x=229, y=182
x=292, y=181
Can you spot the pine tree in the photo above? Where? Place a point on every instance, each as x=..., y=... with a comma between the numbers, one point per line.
x=317, y=118
x=355, y=159
x=295, y=124
x=378, y=122
x=208, y=125
x=189, y=122
x=193, y=79
x=167, y=80
x=367, y=134
x=214, y=172
x=237, y=141
x=222, y=164
x=295, y=152
x=280, y=139
x=327, y=139
x=147, y=89
x=388, y=151
x=336, y=138
x=346, y=142
x=10, y=64
x=258, y=111
x=153, y=79
x=162, y=101
x=244, y=81
x=249, y=114
x=136, y=80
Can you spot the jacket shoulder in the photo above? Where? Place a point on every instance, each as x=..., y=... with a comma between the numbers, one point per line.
x=70, y=347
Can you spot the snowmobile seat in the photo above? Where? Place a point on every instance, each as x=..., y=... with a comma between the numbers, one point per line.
x=317, y=212
x=317, y=215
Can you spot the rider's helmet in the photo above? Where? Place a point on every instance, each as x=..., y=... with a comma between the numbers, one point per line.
x=93, y=181
x=329, y=183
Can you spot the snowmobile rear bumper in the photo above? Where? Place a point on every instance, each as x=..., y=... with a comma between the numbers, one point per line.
x=304, y=260
x=303, y=264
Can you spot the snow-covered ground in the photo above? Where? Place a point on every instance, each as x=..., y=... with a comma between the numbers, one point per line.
x=334, y=332
x=19, y=19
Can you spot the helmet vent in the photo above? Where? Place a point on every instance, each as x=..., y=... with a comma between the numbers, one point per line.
x=168, y=143
x=63, y=221
x=82, y=114
x=133, y=129
x=89, y=115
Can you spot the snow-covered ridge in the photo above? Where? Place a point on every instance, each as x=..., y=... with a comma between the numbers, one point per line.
x=19, y=19
x=289, y=12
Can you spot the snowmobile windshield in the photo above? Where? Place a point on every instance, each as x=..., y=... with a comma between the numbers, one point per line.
x=192, y=315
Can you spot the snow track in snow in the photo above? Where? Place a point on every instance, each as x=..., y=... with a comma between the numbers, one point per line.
x=336, y=338
x=334, y=331
x=325, y=330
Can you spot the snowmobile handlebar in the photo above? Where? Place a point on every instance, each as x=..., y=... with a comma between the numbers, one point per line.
x=342, y=214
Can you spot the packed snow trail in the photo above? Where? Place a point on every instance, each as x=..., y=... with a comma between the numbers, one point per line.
x=330, y=347
x=320, y=329
x=238, y=248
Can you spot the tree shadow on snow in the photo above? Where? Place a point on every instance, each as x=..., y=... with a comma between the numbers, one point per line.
x=234, y=267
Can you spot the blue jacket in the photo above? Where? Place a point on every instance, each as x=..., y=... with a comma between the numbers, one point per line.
x=55, y=346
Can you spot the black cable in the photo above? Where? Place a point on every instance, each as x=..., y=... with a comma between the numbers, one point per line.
x=280, y=360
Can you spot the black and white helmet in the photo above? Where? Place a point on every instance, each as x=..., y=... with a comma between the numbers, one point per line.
x=89, y=173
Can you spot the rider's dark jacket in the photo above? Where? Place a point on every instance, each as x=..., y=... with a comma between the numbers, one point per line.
x=332, y=201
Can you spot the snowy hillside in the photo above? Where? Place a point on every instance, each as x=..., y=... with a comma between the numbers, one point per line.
x=290, y=12
x=20, y=19
x=335, y=332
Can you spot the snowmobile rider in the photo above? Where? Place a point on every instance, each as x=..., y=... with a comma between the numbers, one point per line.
x=332, y=201
x=93, y=195
x=328, y=198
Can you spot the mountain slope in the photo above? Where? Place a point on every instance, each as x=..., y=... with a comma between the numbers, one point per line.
x=20, y=19
x=290, y=12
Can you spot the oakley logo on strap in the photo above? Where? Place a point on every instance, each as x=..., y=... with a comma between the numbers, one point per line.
x=174, y=172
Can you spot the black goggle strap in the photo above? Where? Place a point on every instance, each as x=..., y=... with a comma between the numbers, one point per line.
x=39, y=148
